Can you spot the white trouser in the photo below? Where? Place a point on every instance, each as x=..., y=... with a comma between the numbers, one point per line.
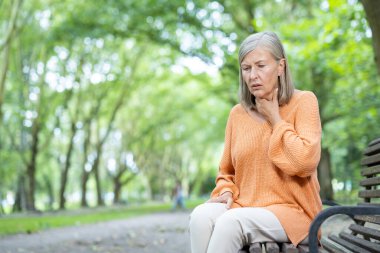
x=214, y=229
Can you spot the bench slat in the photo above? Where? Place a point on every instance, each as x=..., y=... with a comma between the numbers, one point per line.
x=368, y=218
x=370, y=171
x=330, y=247
x=362, y=243
x=289, y=248
x=255, y=248
x=365, y=231
x=305, y=249
x=375, y=141
x=372, y=149
x=348, y=245
x=272, y=247
x=370, y=181
x=373, y=159
x=369, y=194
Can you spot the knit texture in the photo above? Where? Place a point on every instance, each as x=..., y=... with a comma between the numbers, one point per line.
x=275, y=167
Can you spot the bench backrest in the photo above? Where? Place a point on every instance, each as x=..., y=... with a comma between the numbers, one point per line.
x=366, y=231
x=364, y=234
x=371, y=174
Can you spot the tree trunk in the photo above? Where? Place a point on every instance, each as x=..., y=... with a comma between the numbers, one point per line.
x=31, y=167
x=5, y=45
x=20, y=200
x=95, y=170
x=118, y=184
x=99, y=148
x=84, y=179
x=372, y=10
x=50, y=191
x=324, y=168
x=65, y=171
x=85, y=173
x=3, y=74
x=1, y=206
x=116, y=190
x=324, y=175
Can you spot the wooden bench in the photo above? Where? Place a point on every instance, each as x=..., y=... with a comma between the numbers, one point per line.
x=273, y=247
x=364, y=234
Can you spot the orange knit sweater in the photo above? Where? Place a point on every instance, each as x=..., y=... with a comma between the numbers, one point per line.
x=275, y=167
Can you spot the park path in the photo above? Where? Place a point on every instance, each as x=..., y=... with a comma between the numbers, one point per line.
x=154, y=233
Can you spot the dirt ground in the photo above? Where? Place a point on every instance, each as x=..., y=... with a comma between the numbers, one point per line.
x=155, y=233
x=159, y=233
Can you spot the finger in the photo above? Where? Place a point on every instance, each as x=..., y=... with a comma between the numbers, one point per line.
x=213, y=200
x=216, y=200
x=229, y=203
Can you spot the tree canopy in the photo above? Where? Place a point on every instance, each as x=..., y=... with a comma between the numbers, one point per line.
x=114, y=101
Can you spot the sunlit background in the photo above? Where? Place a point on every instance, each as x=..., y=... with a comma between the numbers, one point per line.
x=111, y=102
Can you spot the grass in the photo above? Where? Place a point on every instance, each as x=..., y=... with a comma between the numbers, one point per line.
x=30, y=223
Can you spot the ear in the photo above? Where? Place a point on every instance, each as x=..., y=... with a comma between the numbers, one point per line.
x=281, y=67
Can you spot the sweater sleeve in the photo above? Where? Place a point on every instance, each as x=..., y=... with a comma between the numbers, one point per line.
x=296, y=149
x=225, y=181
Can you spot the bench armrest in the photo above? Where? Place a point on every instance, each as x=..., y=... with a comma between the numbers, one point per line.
x=326, y=213
x=327, y=202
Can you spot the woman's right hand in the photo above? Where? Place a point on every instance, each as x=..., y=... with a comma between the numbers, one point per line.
x=224, y=198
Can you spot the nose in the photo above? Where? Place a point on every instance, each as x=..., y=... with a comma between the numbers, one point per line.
x=253, y=74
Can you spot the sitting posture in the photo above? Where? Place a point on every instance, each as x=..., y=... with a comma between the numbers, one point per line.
x=267, y=187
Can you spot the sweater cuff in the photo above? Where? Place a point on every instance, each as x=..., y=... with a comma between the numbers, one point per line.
x=279, y=124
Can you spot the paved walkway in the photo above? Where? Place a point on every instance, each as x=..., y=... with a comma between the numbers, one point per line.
x=156, y=233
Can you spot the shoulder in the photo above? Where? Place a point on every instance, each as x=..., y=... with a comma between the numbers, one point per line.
x=304, y=96
x=305, y=101
x=236, y=112
x=237, y=109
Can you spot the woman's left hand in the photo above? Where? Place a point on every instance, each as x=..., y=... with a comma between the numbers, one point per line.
x=224, y=198
x=269, y=108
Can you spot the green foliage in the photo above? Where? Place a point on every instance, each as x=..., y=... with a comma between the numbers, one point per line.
x=161, y=76
x=334, y=64
x=33, y=223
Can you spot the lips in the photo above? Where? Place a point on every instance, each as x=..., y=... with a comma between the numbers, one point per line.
x=255, y=86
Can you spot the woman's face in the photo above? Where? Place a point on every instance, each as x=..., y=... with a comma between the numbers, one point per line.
x=260, y=72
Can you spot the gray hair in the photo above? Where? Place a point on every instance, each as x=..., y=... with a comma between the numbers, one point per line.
x=271, y=42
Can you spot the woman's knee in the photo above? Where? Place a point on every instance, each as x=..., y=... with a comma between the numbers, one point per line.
x=229, y=224
x=197, y=215
x=205, y=215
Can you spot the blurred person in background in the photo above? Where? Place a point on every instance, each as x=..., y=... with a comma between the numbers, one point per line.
x=178, y=200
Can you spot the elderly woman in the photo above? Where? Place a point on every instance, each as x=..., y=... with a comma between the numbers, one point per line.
x=267, y=187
